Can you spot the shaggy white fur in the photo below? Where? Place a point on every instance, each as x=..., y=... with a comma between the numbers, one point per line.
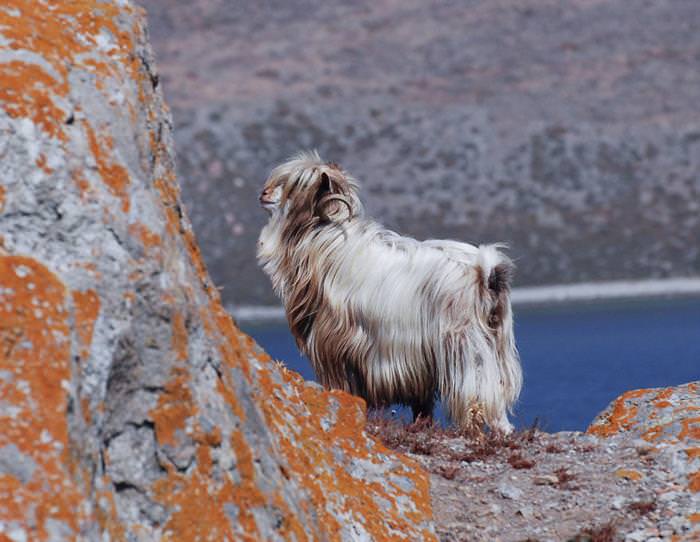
x=383, y=316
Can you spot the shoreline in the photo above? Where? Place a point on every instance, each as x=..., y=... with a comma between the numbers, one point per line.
x=527, y=296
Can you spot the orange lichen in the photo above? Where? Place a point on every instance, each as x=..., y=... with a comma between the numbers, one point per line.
x=148, y=239
x=2, y=197
x=87, y=308
x=694, y=481
x=179, y=339
x=662, y=404
x=175, y=406
x=342, y=434
x=692, y=453
x=59, y=37
x=115, y=176
x=690, y=429
x=694, y=518
x=629, y=474
x=27, y=91
x=621, y=417
x=664, y=394
x=36, y=351
x=81, y=182
x=42, y=163
x=197, y=504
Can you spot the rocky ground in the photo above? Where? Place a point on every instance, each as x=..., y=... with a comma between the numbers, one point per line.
x=632, y=485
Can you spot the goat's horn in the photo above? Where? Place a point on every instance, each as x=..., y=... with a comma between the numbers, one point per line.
x=333, y=197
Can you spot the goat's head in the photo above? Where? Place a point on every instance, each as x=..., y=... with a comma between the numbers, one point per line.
x=309, y=192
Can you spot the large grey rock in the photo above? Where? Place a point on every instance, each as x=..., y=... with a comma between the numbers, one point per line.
x=131, y=407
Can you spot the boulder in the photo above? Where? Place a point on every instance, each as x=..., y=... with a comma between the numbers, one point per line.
x=656, y=415
x=131, y=406
x=667, y=418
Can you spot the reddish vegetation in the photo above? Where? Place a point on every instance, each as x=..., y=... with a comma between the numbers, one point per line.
x=642, y=507
x=564, y=479
x=604, y=533
x=430, y=439
x=518, y=462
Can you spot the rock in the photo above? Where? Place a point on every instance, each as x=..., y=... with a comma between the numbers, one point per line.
x=526, y=512
x=131, y=406
x=509, y=491
x=617, y=503
x=664, y=417
x=545, y=479
x=653, y=415
x=640, y=535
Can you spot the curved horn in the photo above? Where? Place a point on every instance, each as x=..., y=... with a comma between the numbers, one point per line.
x=332, y=197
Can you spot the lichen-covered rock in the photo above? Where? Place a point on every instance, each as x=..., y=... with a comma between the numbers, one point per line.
x=657, y=415
x=131, y=407
x=665, y=417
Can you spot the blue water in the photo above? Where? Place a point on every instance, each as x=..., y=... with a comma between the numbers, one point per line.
x=576, y=359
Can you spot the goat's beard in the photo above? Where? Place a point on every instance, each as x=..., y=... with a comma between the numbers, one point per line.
x=395, y=320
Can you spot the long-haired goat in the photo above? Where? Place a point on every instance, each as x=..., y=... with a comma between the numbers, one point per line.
x=386, y=317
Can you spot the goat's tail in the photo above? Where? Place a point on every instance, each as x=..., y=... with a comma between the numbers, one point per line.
x=494, y=273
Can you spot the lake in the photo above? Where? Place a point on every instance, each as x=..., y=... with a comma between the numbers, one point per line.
x=576, y=358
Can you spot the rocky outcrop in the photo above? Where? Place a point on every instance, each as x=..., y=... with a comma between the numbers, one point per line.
x=664, y=417
x=632, y=476
x=131, y=406
x=658, y=415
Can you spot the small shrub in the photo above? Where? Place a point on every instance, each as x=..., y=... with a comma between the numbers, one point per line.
x=564, y=478
x=448, y=472
x=642, y=507
x=519, y=462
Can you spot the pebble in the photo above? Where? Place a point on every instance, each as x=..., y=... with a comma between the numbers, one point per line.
x=526, y=512
x=545, y=479
x=509, y=491
x=617, y=503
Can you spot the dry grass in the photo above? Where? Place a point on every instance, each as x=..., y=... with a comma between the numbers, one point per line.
x=642, y=507
x=517, y=461
x=450, y=446
x=564, y=479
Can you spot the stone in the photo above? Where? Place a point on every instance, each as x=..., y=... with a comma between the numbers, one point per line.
x=509, y=491
x=617, y=503
x=666, y=419
x=15, y=463
x=132, y=406
x=545, y=479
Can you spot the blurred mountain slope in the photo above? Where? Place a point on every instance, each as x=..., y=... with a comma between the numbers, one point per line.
x=568, y=129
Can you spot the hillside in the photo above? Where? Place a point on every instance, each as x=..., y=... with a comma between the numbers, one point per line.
x=567, y=129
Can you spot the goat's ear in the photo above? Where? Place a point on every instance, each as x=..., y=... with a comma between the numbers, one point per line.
x=330, y=204
x=325, y=186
